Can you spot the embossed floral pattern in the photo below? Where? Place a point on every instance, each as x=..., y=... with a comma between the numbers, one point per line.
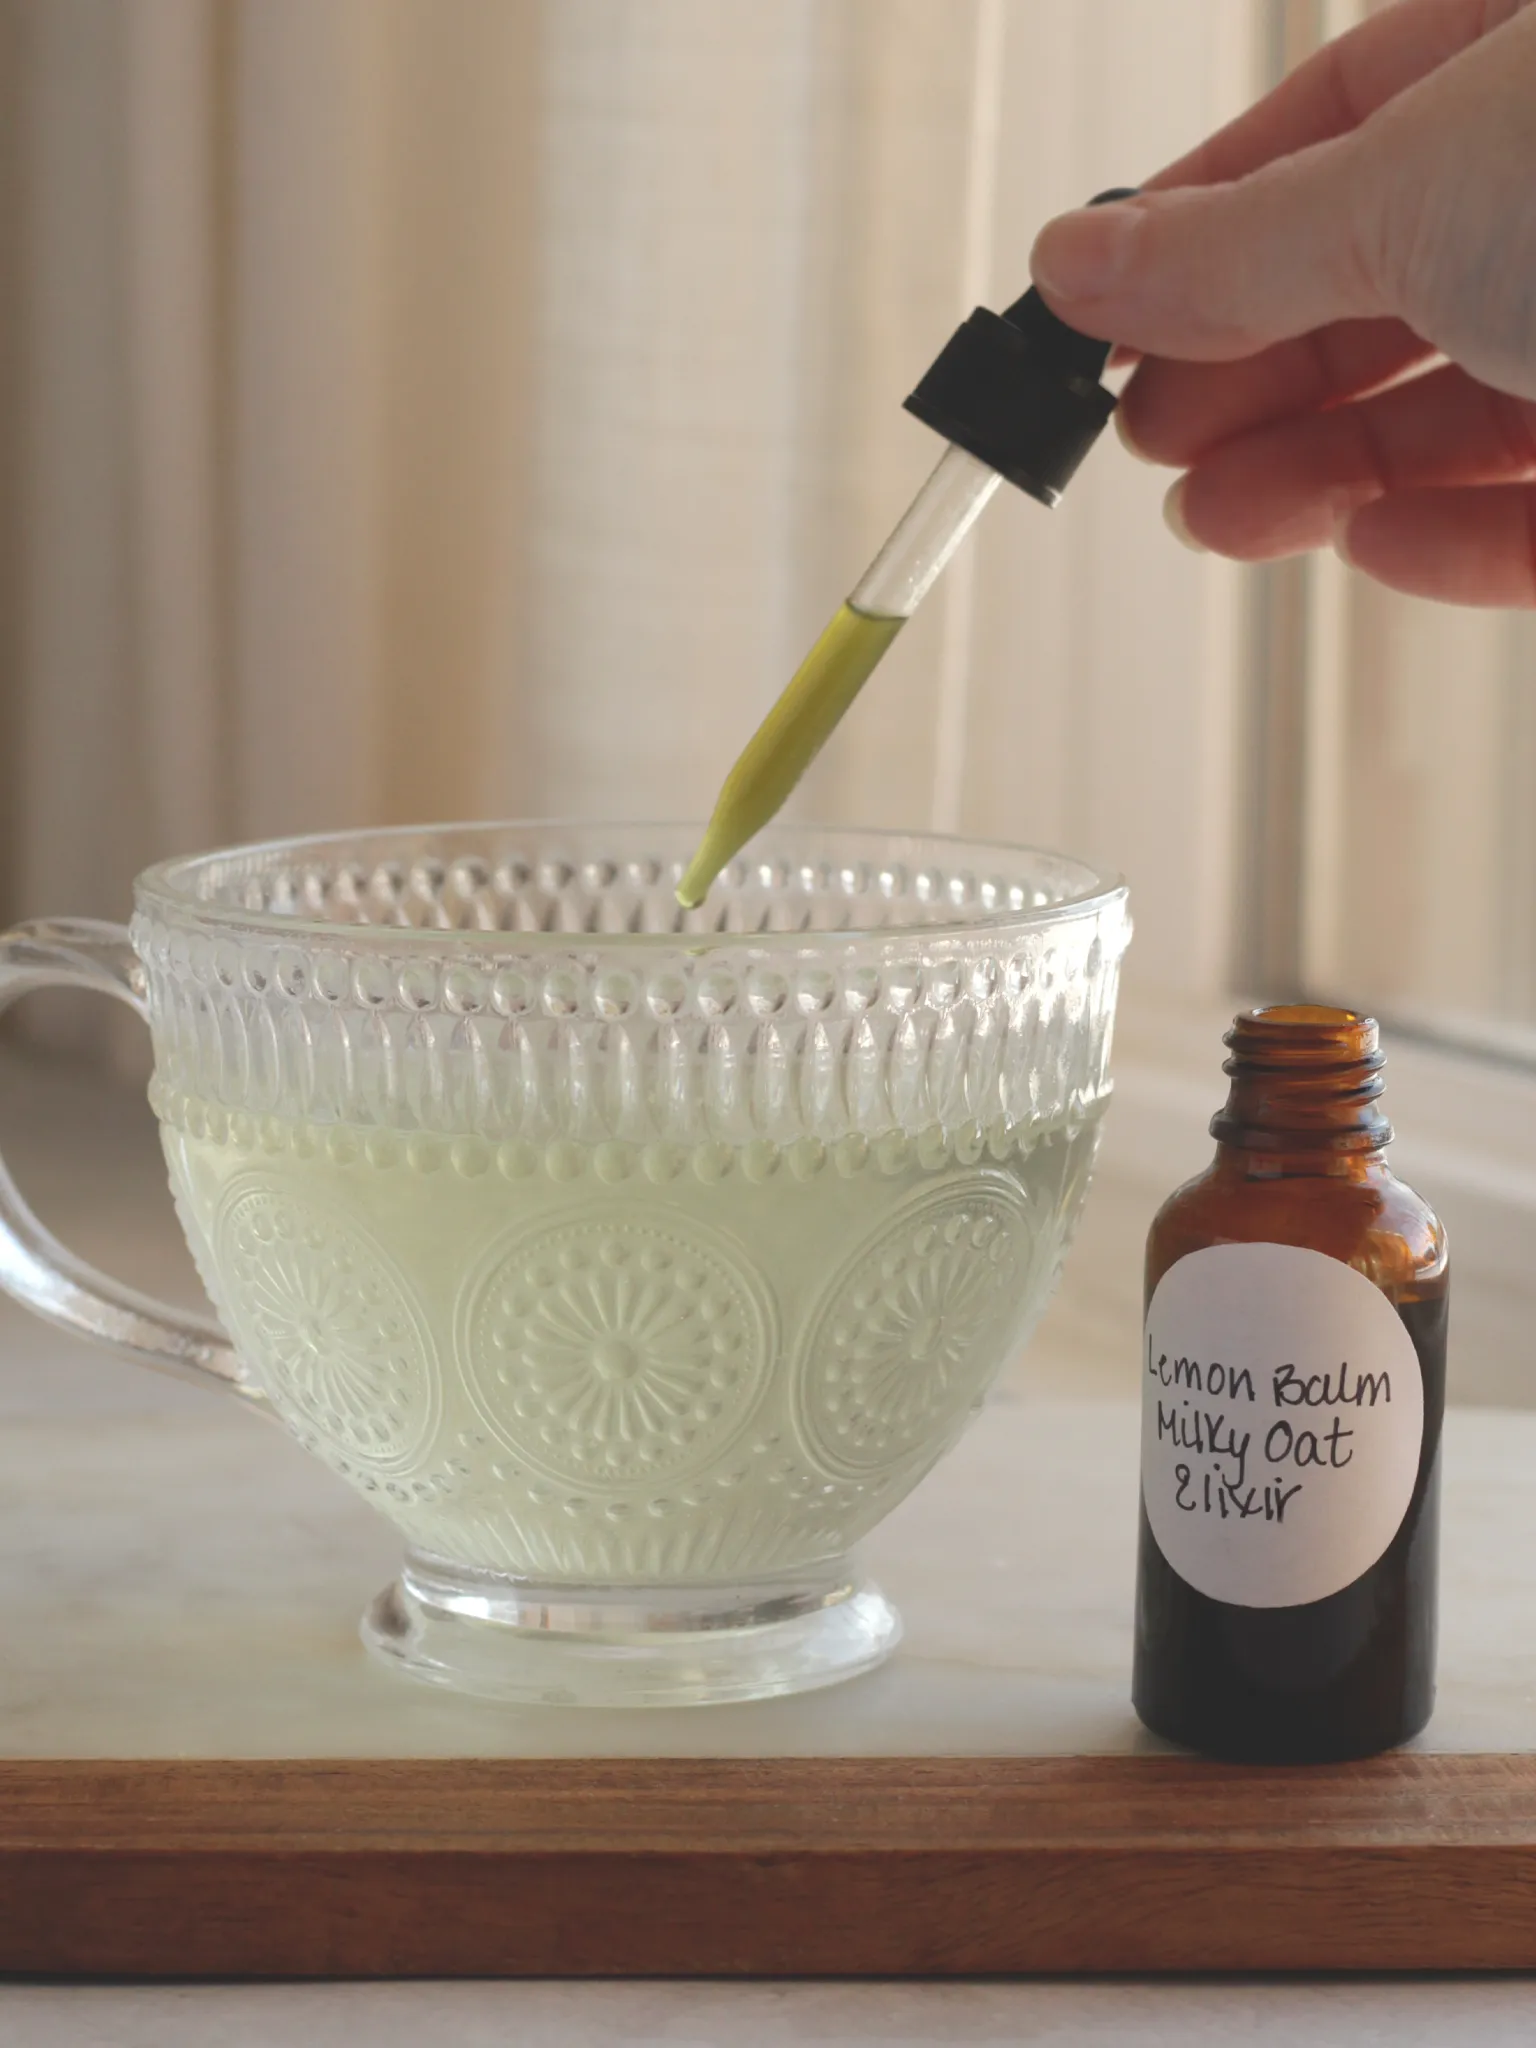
x=914, y=1327
x=608, y=1350
x=327, y=1327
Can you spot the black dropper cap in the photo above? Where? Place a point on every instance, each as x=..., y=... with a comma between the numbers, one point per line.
x=1020, y=391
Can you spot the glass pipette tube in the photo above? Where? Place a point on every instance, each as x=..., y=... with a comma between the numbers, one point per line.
x=842, y=661
x=927, y=534
x=1016, y=395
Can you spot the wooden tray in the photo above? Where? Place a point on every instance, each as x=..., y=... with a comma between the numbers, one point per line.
x=202, y=1775
x=828, y=1867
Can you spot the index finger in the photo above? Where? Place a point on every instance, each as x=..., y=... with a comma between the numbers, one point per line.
x=1335, y=90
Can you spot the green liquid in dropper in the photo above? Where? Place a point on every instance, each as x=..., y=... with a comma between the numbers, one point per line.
x=788, y=740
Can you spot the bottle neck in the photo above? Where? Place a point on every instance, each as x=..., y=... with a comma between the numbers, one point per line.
x=1305, y=1087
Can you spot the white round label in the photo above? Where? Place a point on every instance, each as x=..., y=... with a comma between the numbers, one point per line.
x=1282, y=1418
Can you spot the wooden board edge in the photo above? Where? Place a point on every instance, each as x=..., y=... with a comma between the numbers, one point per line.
x=146, y=1916
x=769, y=1867
x=880, y=1805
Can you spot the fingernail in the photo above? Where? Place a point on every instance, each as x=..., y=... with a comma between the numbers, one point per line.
x=1341, y=541
x=1178, y=526
x=1084, y=255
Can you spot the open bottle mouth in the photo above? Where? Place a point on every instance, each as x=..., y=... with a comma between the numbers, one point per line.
x=1303, y=1073
x=546, y=882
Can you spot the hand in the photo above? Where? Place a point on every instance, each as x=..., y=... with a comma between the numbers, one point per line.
x=1335, y=301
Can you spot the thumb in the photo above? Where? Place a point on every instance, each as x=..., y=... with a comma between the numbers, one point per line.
x=1213, y=272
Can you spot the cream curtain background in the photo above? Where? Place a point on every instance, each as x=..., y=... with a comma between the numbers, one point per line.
x=416, y=408
x=1393, y=744
x=1420, y=810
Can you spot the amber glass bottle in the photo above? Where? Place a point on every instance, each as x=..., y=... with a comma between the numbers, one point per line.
x=1293, y=1379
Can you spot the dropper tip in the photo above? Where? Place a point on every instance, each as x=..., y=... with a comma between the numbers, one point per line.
x=694, y=886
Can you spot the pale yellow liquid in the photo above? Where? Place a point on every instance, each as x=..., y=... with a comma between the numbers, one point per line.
x=788, y=740
x=624, y=1363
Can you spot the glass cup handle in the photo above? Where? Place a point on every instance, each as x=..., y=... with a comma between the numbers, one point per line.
x=34, y=1267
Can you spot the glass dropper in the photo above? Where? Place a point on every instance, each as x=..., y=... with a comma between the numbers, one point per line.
x=1017, y=395
x=841, y=662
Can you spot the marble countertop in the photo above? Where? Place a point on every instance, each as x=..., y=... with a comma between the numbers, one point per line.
x=1422, y=2014
x=182, y=1580
x=189, y=1584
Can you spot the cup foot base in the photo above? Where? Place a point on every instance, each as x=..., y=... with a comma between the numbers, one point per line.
x=503, y=1638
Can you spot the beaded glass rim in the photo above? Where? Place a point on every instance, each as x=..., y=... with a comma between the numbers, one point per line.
x=191, y=885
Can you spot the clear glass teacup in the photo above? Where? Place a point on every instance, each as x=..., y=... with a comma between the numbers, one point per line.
x=633, y=1262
